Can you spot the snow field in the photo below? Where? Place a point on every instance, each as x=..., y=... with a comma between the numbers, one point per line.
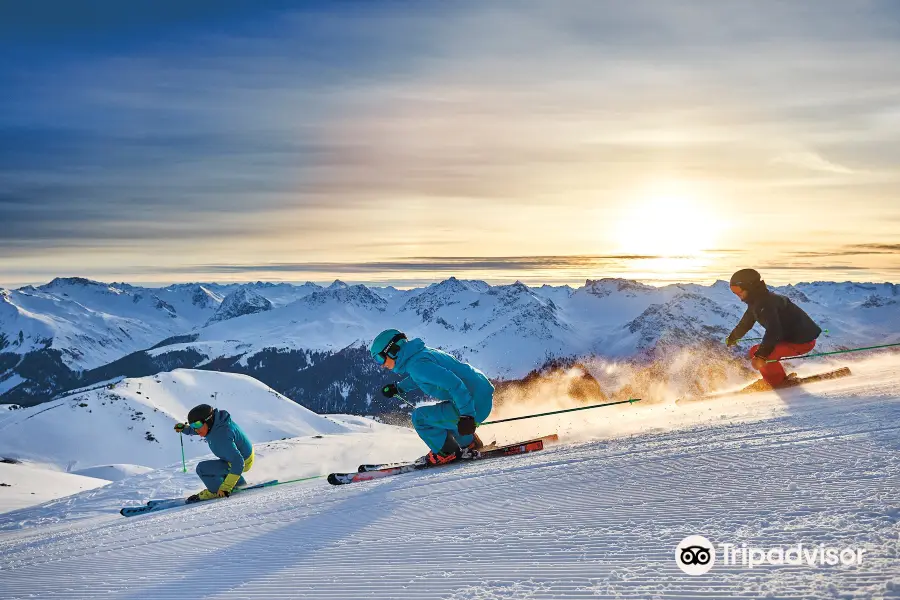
x=594, y=519
x=23, y=485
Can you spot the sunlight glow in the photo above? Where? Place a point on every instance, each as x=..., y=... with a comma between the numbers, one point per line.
x=667, y=220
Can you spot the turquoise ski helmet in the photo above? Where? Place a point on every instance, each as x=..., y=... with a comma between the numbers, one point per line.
x=387, y=344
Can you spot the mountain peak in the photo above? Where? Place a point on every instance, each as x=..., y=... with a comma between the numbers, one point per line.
x=438, y=295
x=204, y=298
x=606, y=286
x=450, y=285
x=242, y=301
x=355, y=295
x=512, y=289
x=72, y=282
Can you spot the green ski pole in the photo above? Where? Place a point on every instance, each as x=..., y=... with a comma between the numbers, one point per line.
x=183, y=463
x=799, y=356
x=405, y=401
x=300, y=479
x=559, y=412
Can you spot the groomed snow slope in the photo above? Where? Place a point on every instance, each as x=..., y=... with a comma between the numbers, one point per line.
x=23, y=485
x=595, y=519
x=114, y=472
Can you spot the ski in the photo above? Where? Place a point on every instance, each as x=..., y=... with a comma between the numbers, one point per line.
x=509, y=450
x=163, y=504
x=130, y=511
x=382, y=466
x=755, y=387
x=837, y=373
x=152, y=503
x=492, y=446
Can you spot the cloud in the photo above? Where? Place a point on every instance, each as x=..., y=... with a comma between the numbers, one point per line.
x=881, y=248
x=197, y=125
x=813, y=267
x=851, y=250
x=451, y=264
x=813, y=162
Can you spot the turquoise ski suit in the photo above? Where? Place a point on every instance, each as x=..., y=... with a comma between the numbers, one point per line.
x=228, y=442
x=464, y=389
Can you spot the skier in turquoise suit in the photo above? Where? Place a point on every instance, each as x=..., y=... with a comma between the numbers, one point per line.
x=227, y=442
x=448, y=427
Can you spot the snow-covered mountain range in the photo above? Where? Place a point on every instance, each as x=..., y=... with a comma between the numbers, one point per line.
x=308, y=342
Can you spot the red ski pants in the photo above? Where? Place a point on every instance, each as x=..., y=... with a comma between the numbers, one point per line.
x=773, y=372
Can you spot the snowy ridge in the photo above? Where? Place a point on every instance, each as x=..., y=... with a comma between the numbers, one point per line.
x=506, y=330
x=595, y=519
x=93, y=323
x=243, y=301
x=687, y=316
x=132, y=421
x=339, y=293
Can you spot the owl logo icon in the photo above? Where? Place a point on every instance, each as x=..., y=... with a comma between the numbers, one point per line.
x=695, y=555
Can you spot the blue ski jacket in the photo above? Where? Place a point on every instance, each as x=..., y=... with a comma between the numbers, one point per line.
x=440, y=376
x=227, y=441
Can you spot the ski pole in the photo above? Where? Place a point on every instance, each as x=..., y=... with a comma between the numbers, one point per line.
x=183, y=464
x=405, y=401
x=296, y=480
x=558, y=412
x=753, y=339
x=799, y=356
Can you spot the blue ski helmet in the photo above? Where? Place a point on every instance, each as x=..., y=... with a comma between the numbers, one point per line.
x=387, y=344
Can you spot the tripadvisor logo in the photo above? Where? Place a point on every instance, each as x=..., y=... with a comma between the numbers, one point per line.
x=696, y=555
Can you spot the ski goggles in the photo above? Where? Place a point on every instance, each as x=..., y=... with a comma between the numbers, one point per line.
x=391, y=350
x=198, y=424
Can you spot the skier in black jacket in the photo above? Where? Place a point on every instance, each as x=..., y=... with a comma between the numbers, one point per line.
x=789, y=330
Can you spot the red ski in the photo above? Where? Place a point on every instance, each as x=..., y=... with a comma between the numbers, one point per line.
x=388, y=471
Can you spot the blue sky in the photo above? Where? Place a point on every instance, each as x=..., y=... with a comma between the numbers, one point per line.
x=403, y=142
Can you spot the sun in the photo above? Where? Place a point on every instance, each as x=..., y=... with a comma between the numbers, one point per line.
x=666, y=221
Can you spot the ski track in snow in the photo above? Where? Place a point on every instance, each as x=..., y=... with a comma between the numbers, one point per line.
x=597, y=519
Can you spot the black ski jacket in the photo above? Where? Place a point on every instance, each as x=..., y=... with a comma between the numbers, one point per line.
x=783, y=321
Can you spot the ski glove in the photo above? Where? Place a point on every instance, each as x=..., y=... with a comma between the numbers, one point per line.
x=179, y=427
x=390, y=390
x=730, y=341
x=466, y=425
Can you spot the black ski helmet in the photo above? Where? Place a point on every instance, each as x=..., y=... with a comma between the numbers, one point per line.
x=746, y=279
x=202, y=413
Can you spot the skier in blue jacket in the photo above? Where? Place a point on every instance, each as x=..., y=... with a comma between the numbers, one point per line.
x=228, y=442
x=448, y=427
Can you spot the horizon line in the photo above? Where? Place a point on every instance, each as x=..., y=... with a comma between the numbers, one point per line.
x=419, y=283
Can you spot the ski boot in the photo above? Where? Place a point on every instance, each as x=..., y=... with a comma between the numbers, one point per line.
x=761, y=385
x=433, y=459
x=471, y=451
x=203, y=495
x=449, y=452
x=789, y=381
